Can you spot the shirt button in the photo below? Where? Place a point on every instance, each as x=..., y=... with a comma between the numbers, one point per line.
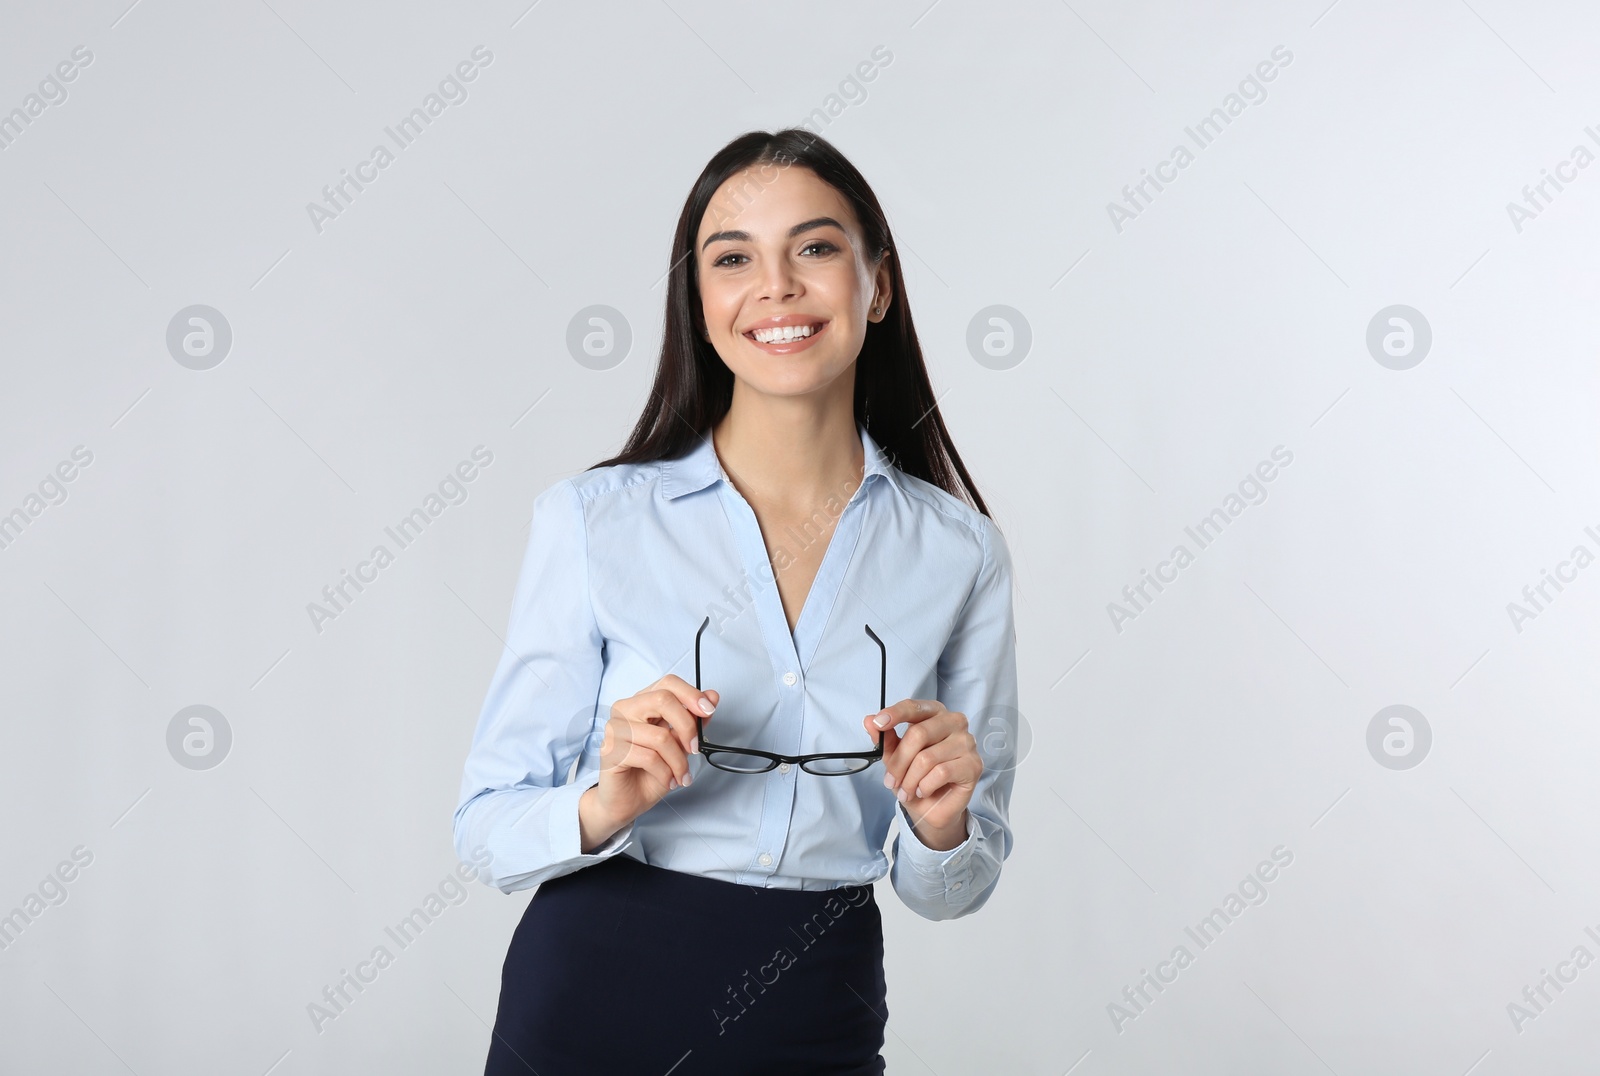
x=783, y=767
x=789, y=678
x=765, y=860
x=956, y=886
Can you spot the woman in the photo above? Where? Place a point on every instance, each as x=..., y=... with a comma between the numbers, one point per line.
x=789, y=484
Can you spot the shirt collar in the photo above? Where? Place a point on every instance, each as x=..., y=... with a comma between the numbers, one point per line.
x=700, y=467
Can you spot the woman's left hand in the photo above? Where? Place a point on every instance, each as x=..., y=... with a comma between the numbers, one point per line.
x=932, y=768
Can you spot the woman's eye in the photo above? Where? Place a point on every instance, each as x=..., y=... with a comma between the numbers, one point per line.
x=816, y=244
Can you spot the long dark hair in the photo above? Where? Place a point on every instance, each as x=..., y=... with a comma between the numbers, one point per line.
x=694, y=388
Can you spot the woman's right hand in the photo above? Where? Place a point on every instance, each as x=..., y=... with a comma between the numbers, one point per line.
x=648, y=740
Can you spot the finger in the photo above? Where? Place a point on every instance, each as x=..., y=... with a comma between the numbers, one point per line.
x=695, y=702
x=874, y=731
x=923, y=734
x=895, y=760
x=887, y=737
x=887, y=721
x=936, y=767
x=621, y=751
x=652, y=763
x=664, y=743
x=690, y=695
x=907, y=710
x=923, y=812
x=962, y=772
x=910, y=769
x=661, y=706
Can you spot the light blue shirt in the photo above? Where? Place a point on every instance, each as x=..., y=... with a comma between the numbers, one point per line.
x=623, y=564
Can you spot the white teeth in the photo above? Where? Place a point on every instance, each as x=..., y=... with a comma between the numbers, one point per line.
x=782, y=335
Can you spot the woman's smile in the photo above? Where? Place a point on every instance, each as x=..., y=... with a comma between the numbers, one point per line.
x=785, y=336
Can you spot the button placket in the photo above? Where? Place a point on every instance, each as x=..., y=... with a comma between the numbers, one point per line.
x=771, y=830
x=790, y=648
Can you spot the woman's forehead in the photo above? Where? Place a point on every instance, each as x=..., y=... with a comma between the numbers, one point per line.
x=769, y=205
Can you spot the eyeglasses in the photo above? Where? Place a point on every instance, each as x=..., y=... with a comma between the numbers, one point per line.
x=827, y=764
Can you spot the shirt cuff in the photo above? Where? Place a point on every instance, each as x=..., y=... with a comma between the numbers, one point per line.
x=950, y=864
x=566, y=833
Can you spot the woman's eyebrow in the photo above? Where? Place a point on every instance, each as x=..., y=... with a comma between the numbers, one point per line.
x=744, y=237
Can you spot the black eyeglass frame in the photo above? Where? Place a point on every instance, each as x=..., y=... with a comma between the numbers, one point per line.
x=709, y=750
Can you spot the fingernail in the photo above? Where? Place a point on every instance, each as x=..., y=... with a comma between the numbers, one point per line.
x=688, y=778
x=902, y=795
x=919, y=793
x=882, y=720
x=707, y=707
x=672, y=785
x=888, y=780
x=694, y=745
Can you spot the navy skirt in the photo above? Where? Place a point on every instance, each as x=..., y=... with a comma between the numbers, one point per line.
x=623, y=968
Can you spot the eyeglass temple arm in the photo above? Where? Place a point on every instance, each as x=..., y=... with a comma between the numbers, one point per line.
x=883, y=664
x=697, y=635
x=883, y=668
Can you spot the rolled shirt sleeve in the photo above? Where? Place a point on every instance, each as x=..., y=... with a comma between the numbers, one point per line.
x=977, y=677
x=518, y=809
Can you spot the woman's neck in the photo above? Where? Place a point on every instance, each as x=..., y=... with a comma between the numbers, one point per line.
x=789, y=453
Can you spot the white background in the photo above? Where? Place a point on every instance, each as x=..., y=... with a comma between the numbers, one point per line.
x=1167, y=759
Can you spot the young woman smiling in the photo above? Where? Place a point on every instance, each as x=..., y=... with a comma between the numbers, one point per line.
x=790, y=511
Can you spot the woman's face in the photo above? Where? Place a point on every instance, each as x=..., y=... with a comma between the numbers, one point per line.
x=781, y=249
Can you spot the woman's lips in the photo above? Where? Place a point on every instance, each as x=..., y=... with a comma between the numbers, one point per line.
x=789, y=347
